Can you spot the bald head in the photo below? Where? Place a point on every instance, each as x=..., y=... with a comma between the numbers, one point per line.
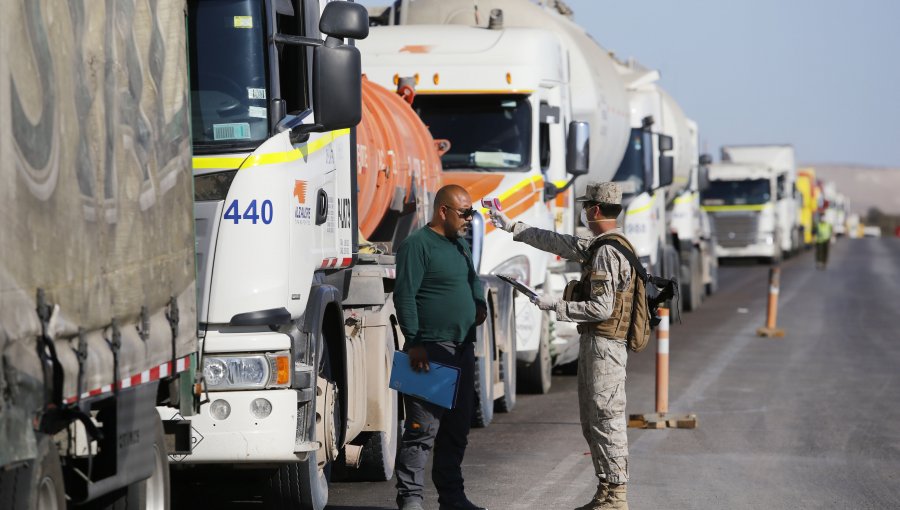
x=450, y=195
x=452, y=211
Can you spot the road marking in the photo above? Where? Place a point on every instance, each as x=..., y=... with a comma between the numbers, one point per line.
x=705, y=380
x=550, y=481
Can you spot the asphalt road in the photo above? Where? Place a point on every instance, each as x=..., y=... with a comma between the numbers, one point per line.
x=811, y=420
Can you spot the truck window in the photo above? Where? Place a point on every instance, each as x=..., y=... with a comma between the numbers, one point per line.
x=227, y=53
x=292, y=62
x=491, y=131
x=746, y=192
x=782, y=191
x=637, y=163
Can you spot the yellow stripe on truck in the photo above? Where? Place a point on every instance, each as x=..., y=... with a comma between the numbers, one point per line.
x=243, y=163
x=717, y=208
x=521, y=204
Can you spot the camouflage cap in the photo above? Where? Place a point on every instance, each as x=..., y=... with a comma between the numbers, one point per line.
x=602, y=193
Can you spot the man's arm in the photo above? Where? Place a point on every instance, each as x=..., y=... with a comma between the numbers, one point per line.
x=566, y=246
x=411, y=263
x=477, y=293
x=606, y=270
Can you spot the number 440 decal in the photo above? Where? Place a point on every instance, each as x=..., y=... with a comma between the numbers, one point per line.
x=251, y=213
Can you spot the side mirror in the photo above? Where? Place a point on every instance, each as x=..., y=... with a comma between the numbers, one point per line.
x=344, y=19
x=578, y=147
x=705, y=159
x=666, y=170
x=703, y=178
x=665, y=143
x=337, y=85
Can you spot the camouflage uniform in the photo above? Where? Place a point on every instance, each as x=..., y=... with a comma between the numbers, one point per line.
x=601, y=361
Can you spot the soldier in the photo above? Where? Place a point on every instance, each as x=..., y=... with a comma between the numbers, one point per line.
x=599, y=314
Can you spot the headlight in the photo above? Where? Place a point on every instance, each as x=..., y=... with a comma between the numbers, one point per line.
x=247, y=371
x=518, y=267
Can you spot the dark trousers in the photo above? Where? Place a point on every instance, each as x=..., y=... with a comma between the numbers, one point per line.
x=446, y=431
x=822, y=253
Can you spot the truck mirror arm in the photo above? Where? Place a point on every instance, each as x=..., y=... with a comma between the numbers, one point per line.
x=551, y=190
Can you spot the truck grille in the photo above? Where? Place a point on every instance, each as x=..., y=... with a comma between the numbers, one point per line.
x=736, y=229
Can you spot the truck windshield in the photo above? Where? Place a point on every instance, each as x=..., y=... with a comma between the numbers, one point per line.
x=637, y=163
x=227, y=48
x=485, y=131
x=747, y=192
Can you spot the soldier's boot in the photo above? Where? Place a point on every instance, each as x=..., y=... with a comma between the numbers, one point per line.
x=615, y=498
x=599, y=497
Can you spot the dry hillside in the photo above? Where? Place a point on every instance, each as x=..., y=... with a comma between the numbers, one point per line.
x=865, y=186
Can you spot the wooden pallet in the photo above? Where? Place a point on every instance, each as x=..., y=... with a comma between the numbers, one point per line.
x=662, y=421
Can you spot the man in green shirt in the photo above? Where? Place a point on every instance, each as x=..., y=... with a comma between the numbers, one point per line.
x=440, y=303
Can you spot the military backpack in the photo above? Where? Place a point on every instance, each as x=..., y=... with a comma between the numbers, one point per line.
x=647, y=293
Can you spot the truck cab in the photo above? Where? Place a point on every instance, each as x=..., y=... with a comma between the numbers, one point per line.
x=275, y=94
x=742, y=200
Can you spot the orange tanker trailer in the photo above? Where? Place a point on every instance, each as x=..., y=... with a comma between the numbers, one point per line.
x=398, y=165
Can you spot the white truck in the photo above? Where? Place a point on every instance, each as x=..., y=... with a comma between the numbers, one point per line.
x=608, y=97
x=780, y=158
x=97, y=262
x=298, y=325
x=741, y=199
x=638, y=134
x=660, y=174
x=501, y=98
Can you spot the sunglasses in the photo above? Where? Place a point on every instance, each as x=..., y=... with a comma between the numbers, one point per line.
x=463, y=213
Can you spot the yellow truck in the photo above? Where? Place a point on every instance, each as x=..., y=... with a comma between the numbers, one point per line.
x=806, y=186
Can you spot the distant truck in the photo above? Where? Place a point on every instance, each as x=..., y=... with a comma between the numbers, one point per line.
x=742, y=201
x=780, y=158
x=807, y=204
x=98, y=321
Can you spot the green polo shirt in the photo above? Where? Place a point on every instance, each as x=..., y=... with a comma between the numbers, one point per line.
x=436, y=288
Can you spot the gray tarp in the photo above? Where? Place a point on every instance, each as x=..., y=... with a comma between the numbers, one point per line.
x=95, y=187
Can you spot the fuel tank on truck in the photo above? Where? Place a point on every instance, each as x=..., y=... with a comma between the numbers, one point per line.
x=398, y=165
x=597, y=92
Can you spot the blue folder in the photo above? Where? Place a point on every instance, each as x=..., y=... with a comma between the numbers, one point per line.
x=438, y=386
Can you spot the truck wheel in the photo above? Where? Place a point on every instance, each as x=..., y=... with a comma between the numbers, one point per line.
x=535, y=377
x=304, y=485
x=692, y=291
x=44, y=490
x=713, y=286
x=379, y=451
x=297, y=486
x=507, y=402
x=484, y=380
x=150, y=494
x=672, y=270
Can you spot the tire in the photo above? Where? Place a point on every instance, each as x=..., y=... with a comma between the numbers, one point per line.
x=691, y=273
x=154, y=493
x=304, y=485
x=44, y=489
x=483, y=413
x=672, y=270
x=379, y=451
x=507, y=402
x=536, y=377
x=713, y=286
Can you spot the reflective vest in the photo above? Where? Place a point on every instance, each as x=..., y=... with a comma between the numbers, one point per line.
x=823, y=232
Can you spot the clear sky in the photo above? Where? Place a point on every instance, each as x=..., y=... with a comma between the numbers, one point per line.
x=823, y=75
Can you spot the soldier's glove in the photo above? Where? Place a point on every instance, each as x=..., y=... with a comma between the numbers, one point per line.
x=501, y=220
x=545, y=302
